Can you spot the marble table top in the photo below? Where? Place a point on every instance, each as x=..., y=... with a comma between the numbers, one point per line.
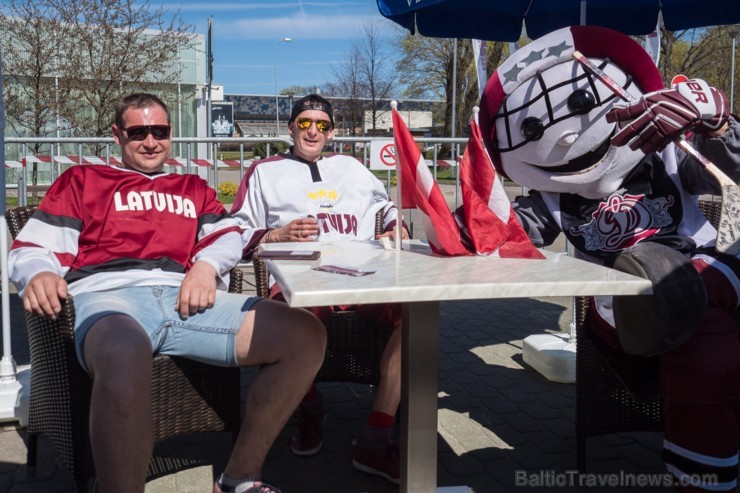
x=417, y=274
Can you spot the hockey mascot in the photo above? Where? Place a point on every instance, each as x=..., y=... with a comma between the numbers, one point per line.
x=608, y=175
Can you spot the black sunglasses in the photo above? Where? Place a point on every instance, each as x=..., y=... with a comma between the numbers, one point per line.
x=139, y=132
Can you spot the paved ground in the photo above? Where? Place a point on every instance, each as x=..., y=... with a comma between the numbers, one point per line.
x=500, y=422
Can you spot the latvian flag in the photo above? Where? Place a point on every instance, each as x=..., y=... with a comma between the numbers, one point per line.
x=486, y=224
x=418, y=189
x=488, y=216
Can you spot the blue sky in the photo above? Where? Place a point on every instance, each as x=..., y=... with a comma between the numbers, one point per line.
x=248, y=33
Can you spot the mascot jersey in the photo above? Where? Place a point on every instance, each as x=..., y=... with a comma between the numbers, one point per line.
x=338, y=190
x=101, y=226
x=653, y=202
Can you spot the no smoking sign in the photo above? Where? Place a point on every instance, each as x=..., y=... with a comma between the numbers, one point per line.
x=388, y=155
x=382, y=154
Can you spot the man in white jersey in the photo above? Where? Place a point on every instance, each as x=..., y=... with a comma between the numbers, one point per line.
x=299, y=196
x=144, y=252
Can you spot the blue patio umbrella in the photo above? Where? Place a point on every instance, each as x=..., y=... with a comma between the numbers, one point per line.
x=502, y=20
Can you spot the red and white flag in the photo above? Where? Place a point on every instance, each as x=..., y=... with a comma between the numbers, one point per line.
x=489, y=219
x=419, y=190
x=486, y=223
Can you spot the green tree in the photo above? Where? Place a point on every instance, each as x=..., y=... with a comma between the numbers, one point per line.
x=378, y=73
x=700, y=53
x=35, y=90
x=68, y=61
x=366, y=79
x=427, y=67
x=348, y=84
x=119, y=46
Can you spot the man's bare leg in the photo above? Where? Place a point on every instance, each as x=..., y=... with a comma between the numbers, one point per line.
x=388, y=395
x=289, y=343
x=119, y=356
x=374, y=452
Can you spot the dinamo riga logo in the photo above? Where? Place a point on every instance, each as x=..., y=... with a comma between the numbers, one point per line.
x=623, y=220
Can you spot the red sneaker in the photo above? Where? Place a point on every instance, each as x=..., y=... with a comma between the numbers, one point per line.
x=381, y=460
x=307, y=439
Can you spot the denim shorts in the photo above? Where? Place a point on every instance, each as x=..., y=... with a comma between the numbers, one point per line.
x=208, y=336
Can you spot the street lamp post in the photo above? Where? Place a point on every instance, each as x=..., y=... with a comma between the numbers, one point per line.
x=277, y=107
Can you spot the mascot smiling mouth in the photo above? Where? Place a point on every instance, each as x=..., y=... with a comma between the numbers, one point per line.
x=583, y=163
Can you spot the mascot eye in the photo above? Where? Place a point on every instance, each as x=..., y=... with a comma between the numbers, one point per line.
x=581, y=102
x=532, y=128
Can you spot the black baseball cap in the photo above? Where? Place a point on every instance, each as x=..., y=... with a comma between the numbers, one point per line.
x=312, y=102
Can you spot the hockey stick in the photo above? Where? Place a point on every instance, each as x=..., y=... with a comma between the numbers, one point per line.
x=728, y=232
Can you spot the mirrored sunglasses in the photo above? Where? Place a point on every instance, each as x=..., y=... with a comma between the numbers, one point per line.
x=139, y=132
x=322, y=126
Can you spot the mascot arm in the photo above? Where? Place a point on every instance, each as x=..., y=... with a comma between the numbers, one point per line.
x=723, y=150
x=536, y=219
x=662, y=116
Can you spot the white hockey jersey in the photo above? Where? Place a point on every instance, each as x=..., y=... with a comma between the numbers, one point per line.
x=337, y=189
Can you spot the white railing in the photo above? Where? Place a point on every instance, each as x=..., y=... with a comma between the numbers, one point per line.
x=52, y=155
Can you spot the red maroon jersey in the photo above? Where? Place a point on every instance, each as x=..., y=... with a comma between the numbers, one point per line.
x=101, y=226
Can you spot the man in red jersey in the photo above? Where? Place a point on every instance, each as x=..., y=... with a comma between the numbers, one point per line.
x=146, y=255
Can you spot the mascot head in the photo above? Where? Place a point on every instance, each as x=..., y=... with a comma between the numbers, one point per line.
x=543, y=115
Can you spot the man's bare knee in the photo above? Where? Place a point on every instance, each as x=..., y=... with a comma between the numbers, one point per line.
x=116, y=344
x=303, y=336
x=275, y=332
x=314, y=332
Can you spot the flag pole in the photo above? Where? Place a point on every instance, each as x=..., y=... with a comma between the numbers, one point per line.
x=209, y=81
x=399, y=194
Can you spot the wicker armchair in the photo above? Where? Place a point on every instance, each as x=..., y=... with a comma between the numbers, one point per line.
x=603, y=404
x=354, y=344
x=187, y=396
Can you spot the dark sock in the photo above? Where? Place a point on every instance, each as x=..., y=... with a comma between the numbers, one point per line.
x=312, y=402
